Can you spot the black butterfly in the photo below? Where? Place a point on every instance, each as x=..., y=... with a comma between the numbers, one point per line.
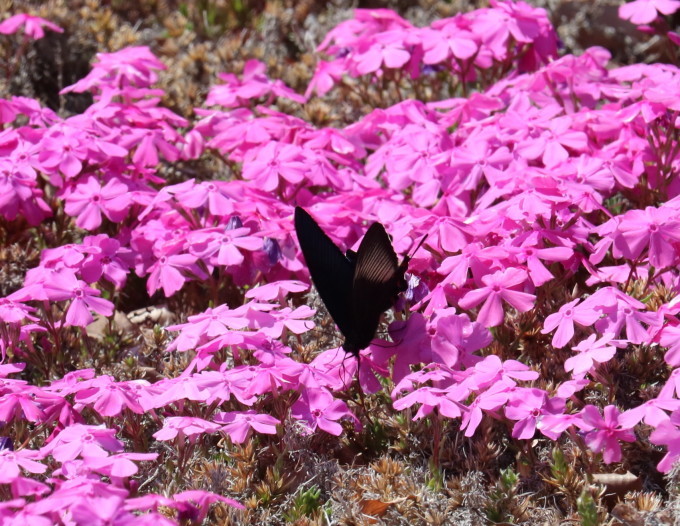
x=356, y=287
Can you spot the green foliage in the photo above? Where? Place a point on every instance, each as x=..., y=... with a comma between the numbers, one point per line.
x=587, y=509
x=305, y=504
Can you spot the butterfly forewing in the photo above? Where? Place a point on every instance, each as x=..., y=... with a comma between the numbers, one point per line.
x=332, y=272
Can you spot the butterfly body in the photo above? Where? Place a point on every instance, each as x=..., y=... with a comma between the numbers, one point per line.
x=356, y=287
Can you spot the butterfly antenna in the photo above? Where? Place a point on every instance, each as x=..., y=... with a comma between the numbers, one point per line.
x=420, y=244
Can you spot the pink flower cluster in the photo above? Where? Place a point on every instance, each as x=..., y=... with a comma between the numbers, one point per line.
x=554, y=171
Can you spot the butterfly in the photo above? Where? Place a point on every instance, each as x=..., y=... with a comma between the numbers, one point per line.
x=356, y=287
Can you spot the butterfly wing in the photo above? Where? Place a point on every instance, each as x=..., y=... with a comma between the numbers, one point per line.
x=332, y=272
x=378, y=279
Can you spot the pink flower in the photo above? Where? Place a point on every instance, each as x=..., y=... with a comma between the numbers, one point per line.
x=668, y=434
x=429, y=398
x=498, y=286
x=278, y=290
x=168, y=272
x=33, y=26
x=238, y=424
x=274, y=163
x=604, y=433
x=318, y=408
x=527, y=407
x=110, y=261
x=11, y=463
x=591, y=351
x=82, y=440
x=88, y=201
x=184, y=426
x=386, y=48
x=654, y=231
x=65, y=286
x=564, y=321
x=645, y=11
x=109, y=398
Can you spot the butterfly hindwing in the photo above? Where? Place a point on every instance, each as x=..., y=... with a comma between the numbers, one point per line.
x=378, y=279
x=332, y=272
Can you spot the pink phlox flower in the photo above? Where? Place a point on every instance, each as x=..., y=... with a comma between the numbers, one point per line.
x=479, y=161
x=417, y=158
x=197, y=503
x=326, y=75
x=216, y=386
x=182, y=426
x=274, y=322
x=553, y=425
x=65, y=286
x=11, y=463
x=646, y=11
x=176, y=390
x=330, y=369
x=491, y=370
x=388, y=49
x=190, y=505
x=129, y=67
x=203, y=327
x=672, y=385
x=619, y=310
x=351, y=33
x=652, y=231
x=109, y=260
x=15, y=311
x=603, y=433
x=31, y=402
x=33, y=26
x=277, y=290
x=82, y=440
x=110, y=398
x=269, y=351
x=64, y=150
x=274, y=164
x=171, y=271
x=499, y=286
x=652, y=412
x=71, y=493
x=530, y=253
x=456, y=338
x=89, y=200
x=447, y=41
x=28, y=487
x=20, y=194
x=317, y=408
x=429, y=398
x=223, y=246
x=254, y=84
x=591, y=351
x=668, y=337
x=266, y=378
x=527, y=407
x=667, y=434
x=69, y=256
x=412, y=345
x=488, y=400
x=11, y=368
x=72, y=382
x=448, y=234
x=564, y=320
x=217, y=195
x=238, y=424
x=116, y=466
